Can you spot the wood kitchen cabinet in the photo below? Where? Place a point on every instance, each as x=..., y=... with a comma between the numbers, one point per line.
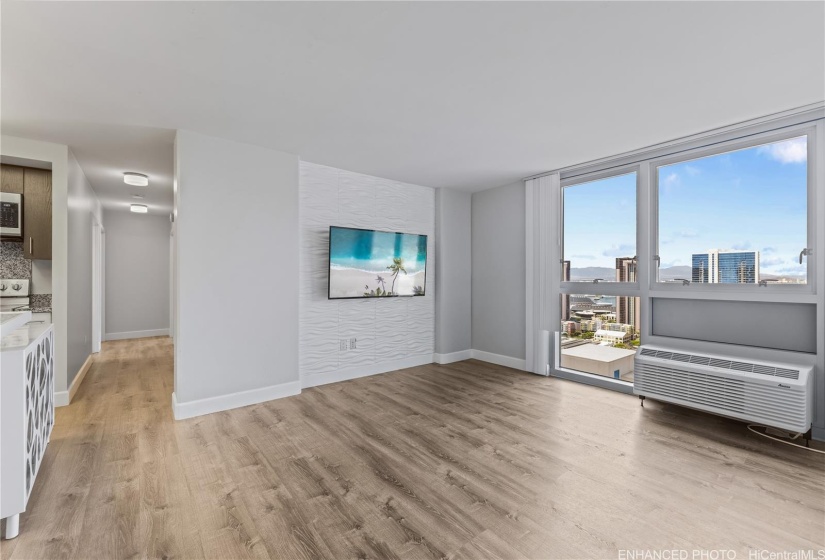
x=36, y=187
x=37, y=214
x=11, y=178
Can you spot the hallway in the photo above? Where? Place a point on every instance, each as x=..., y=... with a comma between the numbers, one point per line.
x=469, y=460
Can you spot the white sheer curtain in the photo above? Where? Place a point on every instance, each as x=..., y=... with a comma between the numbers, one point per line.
x=542, y=270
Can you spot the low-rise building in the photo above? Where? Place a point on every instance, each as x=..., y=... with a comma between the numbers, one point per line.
x=570, y=327
x=613, y=337
x=607, y=361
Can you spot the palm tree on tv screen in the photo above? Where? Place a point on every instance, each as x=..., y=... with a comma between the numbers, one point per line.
x=396, y=267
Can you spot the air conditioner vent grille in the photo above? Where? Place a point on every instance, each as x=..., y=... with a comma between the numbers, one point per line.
x=761, y=369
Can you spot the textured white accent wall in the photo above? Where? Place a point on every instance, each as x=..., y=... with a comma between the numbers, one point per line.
x=391, y=333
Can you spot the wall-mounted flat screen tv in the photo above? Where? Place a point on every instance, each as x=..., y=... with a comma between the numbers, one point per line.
x=366, y=263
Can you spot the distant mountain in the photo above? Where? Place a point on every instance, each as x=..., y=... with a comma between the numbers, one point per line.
x=673, y=272
x=593, y=272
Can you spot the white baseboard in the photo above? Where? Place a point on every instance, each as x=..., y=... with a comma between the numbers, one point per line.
x=61, y=398
x=498, y=359
x=452, y=357
x=136, y=334
x=64, y=398
x=363, y=371
x=233, y=400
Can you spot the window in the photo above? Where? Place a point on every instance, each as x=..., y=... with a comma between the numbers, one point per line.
x=600, y=230
x=600, y=334
x=737, y=217
x=730, y=212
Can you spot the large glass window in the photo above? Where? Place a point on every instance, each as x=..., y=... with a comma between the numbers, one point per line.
x=600, y=230
x=600, y=334
x=739, y=217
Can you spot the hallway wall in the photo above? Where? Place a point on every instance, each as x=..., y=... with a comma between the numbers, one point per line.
x=137, y=274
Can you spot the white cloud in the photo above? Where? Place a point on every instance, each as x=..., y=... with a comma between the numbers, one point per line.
x=744, y=246
x=622, y=250
x=672, y=179
x=789, y=151
x=583, y=257
x=691, y=170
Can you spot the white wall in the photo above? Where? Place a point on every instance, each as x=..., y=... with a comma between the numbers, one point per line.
x=236, y=236
x=391, y=333
x=83, y=210
x=453, y=257
x=137, y=274
x=498, y=271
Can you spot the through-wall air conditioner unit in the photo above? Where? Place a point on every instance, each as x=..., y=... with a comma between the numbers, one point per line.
x=769, y=394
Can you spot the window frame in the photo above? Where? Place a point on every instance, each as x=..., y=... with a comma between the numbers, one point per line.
x=646, y=162
x=747, y=292
x=572, y=287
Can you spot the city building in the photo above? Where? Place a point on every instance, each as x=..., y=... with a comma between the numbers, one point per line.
x=570, y=327
x=616, y=363
x=720, y=266
x=620, y=327
x=628, y=308
x=613, y=337
x=591, y=325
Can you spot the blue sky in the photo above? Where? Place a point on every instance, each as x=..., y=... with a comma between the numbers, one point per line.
x=753, y=199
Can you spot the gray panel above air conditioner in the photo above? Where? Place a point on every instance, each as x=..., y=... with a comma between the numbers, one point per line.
x=780, y=326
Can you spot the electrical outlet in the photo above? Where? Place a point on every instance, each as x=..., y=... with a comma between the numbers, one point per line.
x=342, y=344
x=352, y=342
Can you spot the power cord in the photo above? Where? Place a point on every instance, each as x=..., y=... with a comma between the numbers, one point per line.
x=780, y=440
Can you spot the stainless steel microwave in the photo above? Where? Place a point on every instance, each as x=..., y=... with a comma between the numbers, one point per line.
x=11, y=214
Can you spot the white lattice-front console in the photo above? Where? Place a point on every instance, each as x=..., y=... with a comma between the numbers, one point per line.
x=27, y=408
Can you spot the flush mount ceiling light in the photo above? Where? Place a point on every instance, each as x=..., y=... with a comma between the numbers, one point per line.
x=139, y=208
x=136, y=179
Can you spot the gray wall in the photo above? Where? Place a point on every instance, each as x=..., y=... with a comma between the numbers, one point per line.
x=498, y=271
x=236, y=241
x=453, y=258
x=84, y=210
x=137, y=274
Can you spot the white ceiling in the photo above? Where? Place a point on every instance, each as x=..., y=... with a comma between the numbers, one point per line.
x=465, y=95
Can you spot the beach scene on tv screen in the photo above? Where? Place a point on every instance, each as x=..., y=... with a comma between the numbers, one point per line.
x=364, y=263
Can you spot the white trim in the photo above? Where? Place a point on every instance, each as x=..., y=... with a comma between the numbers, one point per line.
x=314, y=380
x=233, y=400
x=498, y=359
x=452, y=357
x=136, y=334
x=64, y=398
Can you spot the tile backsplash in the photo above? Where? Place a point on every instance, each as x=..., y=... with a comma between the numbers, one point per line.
x=12, y=262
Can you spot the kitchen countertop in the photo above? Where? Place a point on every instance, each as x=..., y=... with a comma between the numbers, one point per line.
x=34, y=308
x=11, y=321
x=22, y=337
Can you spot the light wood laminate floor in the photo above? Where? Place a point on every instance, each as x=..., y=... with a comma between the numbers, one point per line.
x=468, y=460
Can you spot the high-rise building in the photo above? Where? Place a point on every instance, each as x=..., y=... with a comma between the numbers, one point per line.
x=725, y=267
x=565, y=299
x=628, y=308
